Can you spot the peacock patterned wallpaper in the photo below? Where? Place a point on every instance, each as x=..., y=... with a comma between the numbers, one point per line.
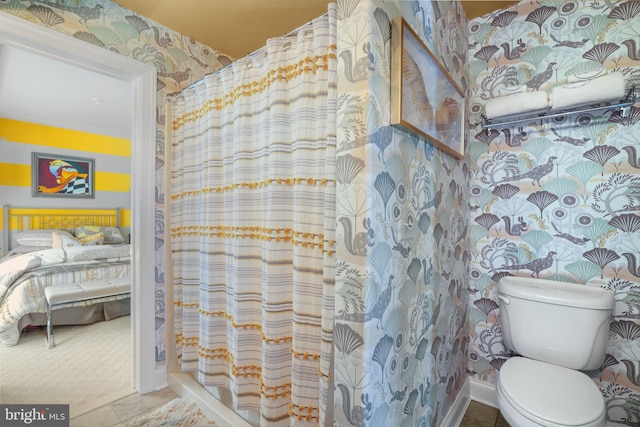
x=557, y=198
x=179, y=60
x=401, y=260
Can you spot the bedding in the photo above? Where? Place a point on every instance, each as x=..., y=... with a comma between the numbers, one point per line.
x=22, y=249
x=23, y=278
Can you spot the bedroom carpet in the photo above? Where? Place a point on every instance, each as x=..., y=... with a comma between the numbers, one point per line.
x=178, y=412
x=89, y=362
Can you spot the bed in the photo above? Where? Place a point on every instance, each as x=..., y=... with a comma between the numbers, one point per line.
x=57, y=247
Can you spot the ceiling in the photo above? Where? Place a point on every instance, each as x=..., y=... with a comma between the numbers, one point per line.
x=37, y=89
x=238, y=27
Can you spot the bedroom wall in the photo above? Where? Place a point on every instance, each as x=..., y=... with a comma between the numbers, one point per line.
x=179, y=60
x=584, y=208
x=112, y=166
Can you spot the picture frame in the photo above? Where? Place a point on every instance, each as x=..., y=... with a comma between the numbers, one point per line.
x=424, y=97
x=54, y=175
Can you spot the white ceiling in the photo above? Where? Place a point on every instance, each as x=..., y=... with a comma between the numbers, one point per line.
x=41, y=90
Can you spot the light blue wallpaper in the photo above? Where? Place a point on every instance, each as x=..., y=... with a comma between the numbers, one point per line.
x=400, y=332
x=557, y=198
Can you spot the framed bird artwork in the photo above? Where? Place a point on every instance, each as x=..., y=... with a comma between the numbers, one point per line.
x=424, y=97
x=62, y=176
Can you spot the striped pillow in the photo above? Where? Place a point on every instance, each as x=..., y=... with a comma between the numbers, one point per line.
x=112, y=235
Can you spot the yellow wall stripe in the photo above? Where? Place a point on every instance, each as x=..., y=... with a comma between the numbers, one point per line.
x=48, y=136
x=15, y=175
x=125, y=218
x=111, y=181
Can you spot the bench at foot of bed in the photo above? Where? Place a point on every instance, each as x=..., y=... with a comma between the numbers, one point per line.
x=83, y=294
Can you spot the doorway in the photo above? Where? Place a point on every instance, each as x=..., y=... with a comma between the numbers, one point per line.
x=44, y=41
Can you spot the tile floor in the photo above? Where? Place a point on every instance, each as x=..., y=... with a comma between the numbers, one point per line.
x=121, y=410
x=479, y=415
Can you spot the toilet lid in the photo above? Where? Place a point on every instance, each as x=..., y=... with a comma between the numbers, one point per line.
x=552, y=393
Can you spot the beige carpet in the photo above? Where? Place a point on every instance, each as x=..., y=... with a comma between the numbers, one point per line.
x=178, y=412
x=88, y=363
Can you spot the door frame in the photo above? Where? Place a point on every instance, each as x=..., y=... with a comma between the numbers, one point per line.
x=40, y=40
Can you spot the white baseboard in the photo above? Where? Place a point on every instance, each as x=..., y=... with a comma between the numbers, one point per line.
x=458, y=408
x=483, y=392
x=185, y=386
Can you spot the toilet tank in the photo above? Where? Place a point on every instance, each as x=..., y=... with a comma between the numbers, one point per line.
x=560, y=323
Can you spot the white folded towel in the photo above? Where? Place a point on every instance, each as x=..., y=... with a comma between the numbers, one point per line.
x=591, y=74
x=605, y=88
x=517, y=103
x=510, y=90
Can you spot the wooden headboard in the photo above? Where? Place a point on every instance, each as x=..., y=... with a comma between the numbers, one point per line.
x=21, y=219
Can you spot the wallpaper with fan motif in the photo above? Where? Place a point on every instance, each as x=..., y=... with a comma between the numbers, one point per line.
x=179, y=60
x=557, y=198
x=401, y=261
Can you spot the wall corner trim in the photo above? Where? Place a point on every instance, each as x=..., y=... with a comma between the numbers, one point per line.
x=459, y=407
x=483, y=392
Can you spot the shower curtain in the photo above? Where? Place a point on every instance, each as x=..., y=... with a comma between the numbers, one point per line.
x=253, y=226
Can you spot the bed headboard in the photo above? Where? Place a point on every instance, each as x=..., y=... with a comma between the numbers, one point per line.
x=20, y=219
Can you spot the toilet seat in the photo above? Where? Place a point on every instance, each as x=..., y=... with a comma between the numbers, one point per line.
x=548, y=395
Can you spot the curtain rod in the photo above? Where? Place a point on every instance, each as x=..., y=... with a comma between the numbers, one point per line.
x=289, y=34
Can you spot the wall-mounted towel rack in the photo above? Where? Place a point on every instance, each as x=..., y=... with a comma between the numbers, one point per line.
x=623, y=105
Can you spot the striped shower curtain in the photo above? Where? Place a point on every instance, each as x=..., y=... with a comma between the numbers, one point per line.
x=253, y=226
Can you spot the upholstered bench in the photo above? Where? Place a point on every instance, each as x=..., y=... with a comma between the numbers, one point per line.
x=83, y=294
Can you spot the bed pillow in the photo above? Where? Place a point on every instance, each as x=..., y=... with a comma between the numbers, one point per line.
x=63, y=241
x=112, y=235
x=41, y=238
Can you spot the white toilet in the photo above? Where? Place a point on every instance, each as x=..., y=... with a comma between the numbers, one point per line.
x=556, y=328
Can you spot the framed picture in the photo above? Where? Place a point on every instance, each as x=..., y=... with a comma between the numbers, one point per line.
x=62, y=176
x=424, y=97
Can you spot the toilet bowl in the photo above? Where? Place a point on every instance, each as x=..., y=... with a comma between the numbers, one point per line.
x=531, y=393
x=557, y=329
